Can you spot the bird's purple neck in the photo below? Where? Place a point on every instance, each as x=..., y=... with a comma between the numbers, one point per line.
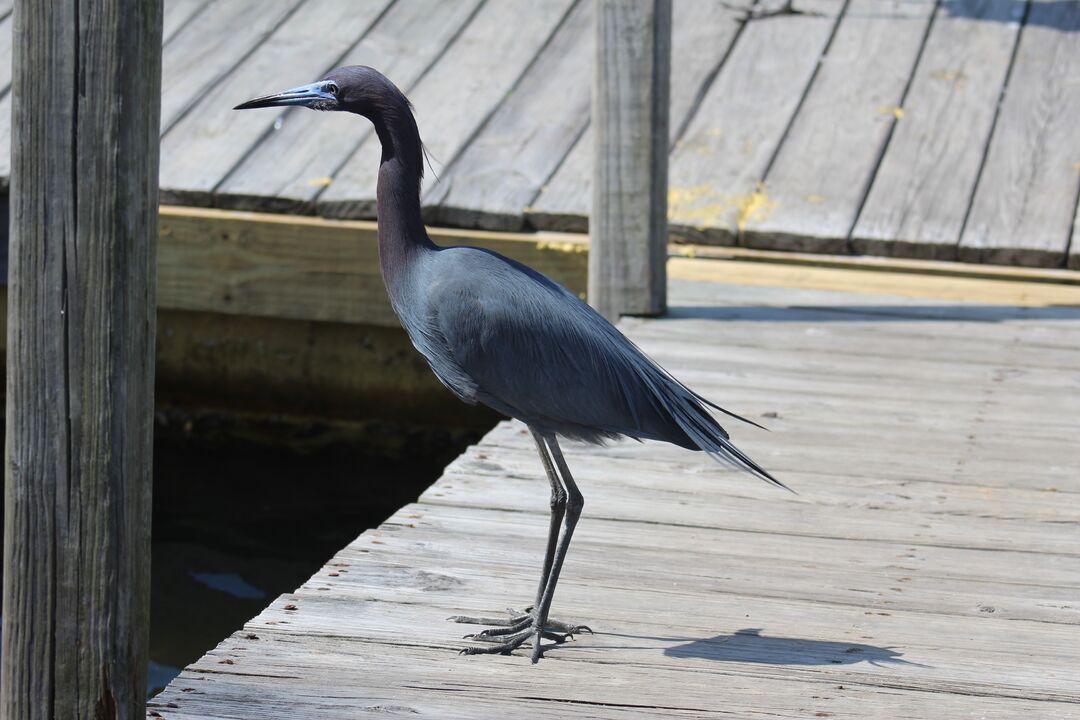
x=402, y=237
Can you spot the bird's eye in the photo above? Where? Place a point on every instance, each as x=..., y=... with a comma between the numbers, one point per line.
x=332, y=88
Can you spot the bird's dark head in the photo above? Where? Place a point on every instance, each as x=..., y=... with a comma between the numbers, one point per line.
x=364, y=91
x=354, y=88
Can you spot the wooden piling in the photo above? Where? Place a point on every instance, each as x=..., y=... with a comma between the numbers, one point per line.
x=82, y=288
x=630, y=115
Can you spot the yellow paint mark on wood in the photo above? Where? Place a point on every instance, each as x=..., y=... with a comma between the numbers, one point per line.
x=815, y=199
x=320, y=181
x=755, y=206
x=954, y=76
x=698, y=205
x=562, y=246
x=895, y=110
x=703, y=206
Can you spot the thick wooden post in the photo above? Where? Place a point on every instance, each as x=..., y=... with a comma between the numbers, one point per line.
x=628, y=228
x=81, y=295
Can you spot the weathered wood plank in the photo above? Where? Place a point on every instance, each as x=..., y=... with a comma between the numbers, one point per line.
x=249, y=264
x=817, y=182
x=655, y=544
x=684, y=571
x=206, y=50
x=200, y=150
x=926, y=493
x=640, y=635
x=717, y=165
x=299, y=158
x=80, y=360
x=873, y=281
x=923, y=187
x=456, y=97
x=646, y=633
x=702, y=33
x=564, y=202
x=503, y=167
x=177, y=14
x=1026, y=197
x=702, y=301
x=472, y=690
x=798, y=519
x=211, y=259
x=932, y=545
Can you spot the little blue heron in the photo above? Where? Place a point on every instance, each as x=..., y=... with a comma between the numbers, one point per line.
x=497, y=332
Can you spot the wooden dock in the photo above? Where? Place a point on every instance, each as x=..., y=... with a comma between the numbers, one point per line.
x=928, y=568
x=920, y=128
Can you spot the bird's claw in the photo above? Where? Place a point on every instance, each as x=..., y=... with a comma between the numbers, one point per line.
x=511, y=632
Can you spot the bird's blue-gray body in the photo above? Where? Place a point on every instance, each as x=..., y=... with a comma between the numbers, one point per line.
x=497, y=332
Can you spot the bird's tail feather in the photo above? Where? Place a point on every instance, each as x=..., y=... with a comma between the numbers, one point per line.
x=714, y=406
x=707, y=434
x=688, y=410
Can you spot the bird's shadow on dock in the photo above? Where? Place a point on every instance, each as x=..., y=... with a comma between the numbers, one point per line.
x=749, y=645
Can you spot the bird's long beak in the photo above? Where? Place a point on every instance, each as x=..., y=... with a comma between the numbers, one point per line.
x=315, y=95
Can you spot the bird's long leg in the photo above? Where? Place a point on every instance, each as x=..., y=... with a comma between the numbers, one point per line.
x=518, y=621
x=574, y=504
x=519, y=627
x=558, y=510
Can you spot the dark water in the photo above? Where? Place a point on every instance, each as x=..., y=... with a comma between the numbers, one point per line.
x=238, y=523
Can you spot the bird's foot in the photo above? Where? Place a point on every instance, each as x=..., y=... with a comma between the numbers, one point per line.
x=512, y=631
x=788, y=8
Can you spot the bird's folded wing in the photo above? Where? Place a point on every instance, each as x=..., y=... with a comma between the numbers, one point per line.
x=535, y=351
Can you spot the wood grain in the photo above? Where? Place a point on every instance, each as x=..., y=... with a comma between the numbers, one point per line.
x=932, y=544
x=1024, y=204
x=518, y=149
x=628, y=244
x=717, y=165
x=304, y=151
x=177, y=14
x=923, y=187
x=200, y=150
x=455, y=99
x=818, y=180
x=80, y=360
x=205, y=51
x=702, y=33
x=907, y=168
x=313, y=269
